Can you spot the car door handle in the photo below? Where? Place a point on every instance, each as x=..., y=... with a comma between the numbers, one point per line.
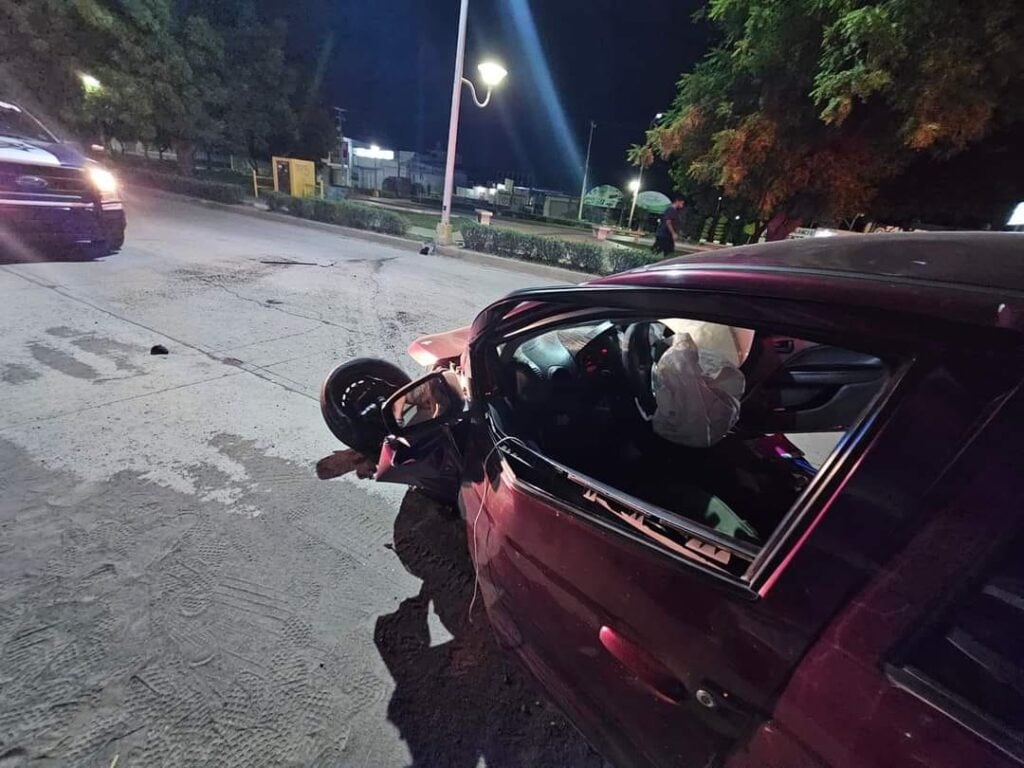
x=648, y=670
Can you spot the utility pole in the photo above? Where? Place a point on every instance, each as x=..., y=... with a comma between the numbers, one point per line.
x=491, y=74
x=640, y=176
x=444, y=229
x=636, y=193
x=586, y=169
x=339, y=123
x=343, y=159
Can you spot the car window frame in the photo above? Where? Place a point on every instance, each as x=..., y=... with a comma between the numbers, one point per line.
x=532, y=312
x=696, y=531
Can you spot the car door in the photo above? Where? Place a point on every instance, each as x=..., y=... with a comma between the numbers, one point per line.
x=799, y=383
x=659, y=659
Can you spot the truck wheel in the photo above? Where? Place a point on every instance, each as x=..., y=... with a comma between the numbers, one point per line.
x=97, y=249
x=351, y=398
x=114, y=244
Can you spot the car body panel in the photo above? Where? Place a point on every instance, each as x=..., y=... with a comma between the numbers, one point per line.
x=47, y=199
x=54, y=154
x=844, y=706
x=961, y=260
x=428, y=350
x=553, y=584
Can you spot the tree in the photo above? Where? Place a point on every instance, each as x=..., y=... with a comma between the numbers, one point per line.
x=258, y=107
x=183, y=75
x=196, y=91
x=806, y=107
x=316, y=132
x=164, y=78
x=258, y=81
x=39, y=62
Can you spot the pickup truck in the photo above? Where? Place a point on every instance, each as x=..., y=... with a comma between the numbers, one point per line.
x=51, y=194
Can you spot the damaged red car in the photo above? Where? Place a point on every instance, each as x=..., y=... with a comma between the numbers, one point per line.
x=756, y=507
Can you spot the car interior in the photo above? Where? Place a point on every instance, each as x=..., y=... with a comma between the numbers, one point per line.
x=582, y=395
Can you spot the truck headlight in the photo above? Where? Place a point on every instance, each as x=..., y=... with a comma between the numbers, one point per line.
x=103, y=180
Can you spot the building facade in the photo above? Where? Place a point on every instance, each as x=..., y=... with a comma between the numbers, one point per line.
x=403, y=172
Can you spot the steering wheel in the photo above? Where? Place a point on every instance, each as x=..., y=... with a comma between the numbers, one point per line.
x=638, y=364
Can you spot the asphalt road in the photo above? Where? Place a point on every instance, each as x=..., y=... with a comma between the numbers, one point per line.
x=176, y=587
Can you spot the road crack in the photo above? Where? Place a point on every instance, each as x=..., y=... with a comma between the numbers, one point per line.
x=275, y=307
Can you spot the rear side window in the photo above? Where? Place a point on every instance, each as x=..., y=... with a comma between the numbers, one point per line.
x=970, y=662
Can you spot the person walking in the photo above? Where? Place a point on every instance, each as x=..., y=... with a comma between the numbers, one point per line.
x=669, y=227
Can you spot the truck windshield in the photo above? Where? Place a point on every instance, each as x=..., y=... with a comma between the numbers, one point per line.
x=17, y=123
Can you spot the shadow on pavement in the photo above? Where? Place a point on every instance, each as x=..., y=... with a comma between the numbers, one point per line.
x=458, y=698
x=13, y=251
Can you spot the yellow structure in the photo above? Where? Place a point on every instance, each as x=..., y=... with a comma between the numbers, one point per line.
x=266, y=183
x=294, y=177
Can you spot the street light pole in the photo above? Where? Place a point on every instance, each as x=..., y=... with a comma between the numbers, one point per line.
x=444, y=229
x=586, y=170
x=491, y=75
x=640, y=176
x=636, y=193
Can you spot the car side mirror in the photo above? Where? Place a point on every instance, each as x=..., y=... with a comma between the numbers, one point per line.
x=426, y=403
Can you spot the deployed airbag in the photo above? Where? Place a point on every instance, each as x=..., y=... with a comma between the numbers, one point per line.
x=697, y=388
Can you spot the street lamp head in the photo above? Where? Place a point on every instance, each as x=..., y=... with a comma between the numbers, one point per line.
x=491, y=73
x=89, y=82
x=634, y=185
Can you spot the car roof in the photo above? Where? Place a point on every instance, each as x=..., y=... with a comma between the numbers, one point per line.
x=972, y=278
x=993, y=260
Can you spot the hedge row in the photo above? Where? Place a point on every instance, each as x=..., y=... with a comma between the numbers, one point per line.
x=585, y=257
x=345, y=213
x=218, y=191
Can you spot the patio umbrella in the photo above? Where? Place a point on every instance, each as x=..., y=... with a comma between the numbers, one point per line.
x=652, y=201
x=605, y=196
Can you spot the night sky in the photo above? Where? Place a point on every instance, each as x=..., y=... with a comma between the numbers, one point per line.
x=568, y=60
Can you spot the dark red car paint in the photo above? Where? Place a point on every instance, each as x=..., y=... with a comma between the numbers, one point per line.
x=841, y=704
x=661, y=665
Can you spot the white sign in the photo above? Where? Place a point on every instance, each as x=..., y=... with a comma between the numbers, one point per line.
x=1017, y=217
x=374, y=153
x=801, y=232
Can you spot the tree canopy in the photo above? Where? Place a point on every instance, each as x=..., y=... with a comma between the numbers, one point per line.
x=208, y=74
x=806, y=108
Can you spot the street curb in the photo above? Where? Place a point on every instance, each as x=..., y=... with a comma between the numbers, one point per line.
x=555, y=274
